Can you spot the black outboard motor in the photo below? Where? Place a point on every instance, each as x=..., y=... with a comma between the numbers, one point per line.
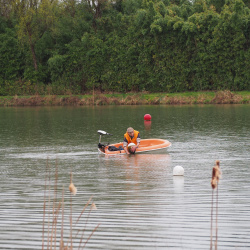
x=102, y=146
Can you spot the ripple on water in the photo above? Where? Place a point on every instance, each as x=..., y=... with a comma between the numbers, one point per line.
x=140, y=204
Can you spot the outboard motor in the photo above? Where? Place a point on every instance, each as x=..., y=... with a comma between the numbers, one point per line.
x=102, y=146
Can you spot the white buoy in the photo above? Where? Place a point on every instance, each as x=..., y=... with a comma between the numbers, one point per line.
x=178, y=170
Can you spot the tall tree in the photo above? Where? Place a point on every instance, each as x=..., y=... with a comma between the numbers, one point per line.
x=35, y=17
x=5, y=8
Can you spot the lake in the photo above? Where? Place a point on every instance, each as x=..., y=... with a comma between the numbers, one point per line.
x=140, y=204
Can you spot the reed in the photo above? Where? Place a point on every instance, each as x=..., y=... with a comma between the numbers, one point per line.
x=72, y=188
x=155, y=101
x=133, y=100
x=56, y=208
x=44, y=203
x=101, y=100
x=95, y=98
x=114, y=101
x=71, y=100
x=54, y=216
x=227, y=97
x=216, y=175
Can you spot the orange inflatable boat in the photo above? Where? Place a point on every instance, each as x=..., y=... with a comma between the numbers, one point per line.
x=145, y=145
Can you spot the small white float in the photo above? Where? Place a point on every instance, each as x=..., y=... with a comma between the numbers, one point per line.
x=178, y=170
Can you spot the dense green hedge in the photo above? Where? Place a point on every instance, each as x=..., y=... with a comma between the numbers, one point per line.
x=127, y=45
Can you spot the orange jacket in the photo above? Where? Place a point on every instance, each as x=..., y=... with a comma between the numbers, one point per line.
x=134, y=139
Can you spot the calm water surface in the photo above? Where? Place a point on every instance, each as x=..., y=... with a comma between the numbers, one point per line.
x=140, y=205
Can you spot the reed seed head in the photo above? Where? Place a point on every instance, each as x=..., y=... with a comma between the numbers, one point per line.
x=213, y=183
x=72, y=188
x=216, y=174
x=93, y=206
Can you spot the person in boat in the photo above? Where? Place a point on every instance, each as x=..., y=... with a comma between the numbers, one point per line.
x=131, y=136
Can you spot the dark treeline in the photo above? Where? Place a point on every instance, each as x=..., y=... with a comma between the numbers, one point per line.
x=57, y=47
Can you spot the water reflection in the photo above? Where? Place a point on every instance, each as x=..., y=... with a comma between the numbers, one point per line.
x=139, y=167
x=141, y=205
x=178, y=184
x=147, y=125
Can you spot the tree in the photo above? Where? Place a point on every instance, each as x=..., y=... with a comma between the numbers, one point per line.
x=35, y=17
x=5, y=8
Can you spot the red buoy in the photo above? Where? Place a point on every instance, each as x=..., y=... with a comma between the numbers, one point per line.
x=147, y=117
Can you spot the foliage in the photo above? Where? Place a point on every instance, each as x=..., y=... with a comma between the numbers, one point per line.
x=134, y=45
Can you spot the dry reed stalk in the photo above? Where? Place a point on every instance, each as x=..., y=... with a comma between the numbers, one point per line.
x=70, y=218
x=71, y=100
x=176, y=100
x=70, y=222
x=201, y=99
x=62, y=241
x=91, y=235
x=57, y=206
x=79, y=217
x=216, y=223
x=83, y=209
x=49, y=208
x=102, y=100
x=83, y=231
x=55, y=211
x=155, y=101
x=211, y=227
x=73, y=190
x=216, y=175
x=226, y=97
x=132, y=100
x=54, y=223
x=115, y=101
x=44, y=202
x=84, y=101
x=53, y=230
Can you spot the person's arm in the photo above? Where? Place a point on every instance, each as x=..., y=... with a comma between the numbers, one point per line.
x=138, y=140
x=125, y=146
x=126, y=150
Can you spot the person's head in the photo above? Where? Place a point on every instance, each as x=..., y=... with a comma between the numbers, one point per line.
x=131, y=148
x=130, y=131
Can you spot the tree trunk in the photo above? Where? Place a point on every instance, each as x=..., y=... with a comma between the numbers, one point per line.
x=32, y=48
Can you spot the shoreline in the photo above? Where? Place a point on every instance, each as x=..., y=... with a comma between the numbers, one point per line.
x=143, y=98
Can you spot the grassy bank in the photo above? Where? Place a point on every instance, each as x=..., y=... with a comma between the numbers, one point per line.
x=221, y=97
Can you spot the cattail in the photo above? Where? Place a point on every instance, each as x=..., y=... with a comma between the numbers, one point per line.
x=72, y=188
x=214, y=183
x=216, y=175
